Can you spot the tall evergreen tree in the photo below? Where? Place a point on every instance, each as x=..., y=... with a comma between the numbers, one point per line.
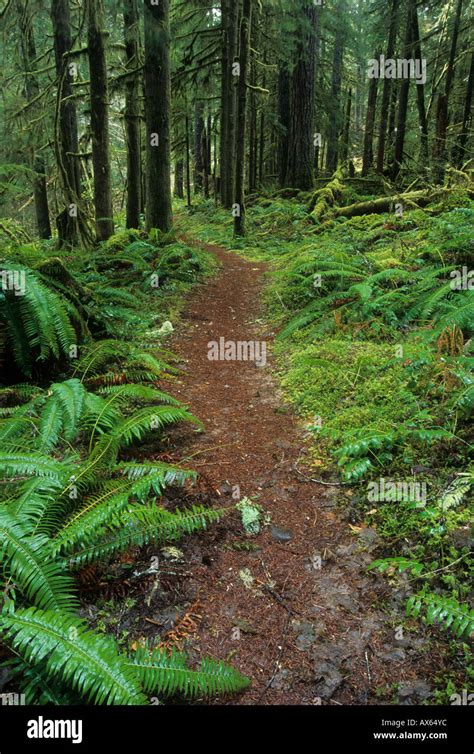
x=157, y=115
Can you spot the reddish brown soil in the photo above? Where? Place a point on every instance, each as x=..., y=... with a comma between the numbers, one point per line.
x=308, y=635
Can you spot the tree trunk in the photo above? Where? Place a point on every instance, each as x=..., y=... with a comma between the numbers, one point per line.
x=28, y=52
x=198, y=148
x=387, y=86
x=459, y=152
x=299, y=169
x=420, y=93
x=132, y=113
x=261, y=140
x=157, y=115
x=284, y=118
x=439, y=147
x=347, y=129
x=403, y=98
x=252, y=179
x=334, y=104
x=368, y=148
x=104, y=221
x=179, y=179
x=188, y=166
x=229, y=21
x=70, y=221
x=239, y=208
x=205, y=137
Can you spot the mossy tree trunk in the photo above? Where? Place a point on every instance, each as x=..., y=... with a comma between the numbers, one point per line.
x=28, y=53
x=104, y=221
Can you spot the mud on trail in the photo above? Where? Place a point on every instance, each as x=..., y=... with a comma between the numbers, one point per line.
x=296, y=611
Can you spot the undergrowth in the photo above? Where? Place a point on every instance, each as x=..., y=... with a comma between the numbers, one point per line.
x=376, y=317
x=83, y=361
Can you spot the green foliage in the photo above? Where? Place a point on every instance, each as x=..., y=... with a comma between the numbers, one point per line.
x=168, y=673
x=446, y=611
x=69, y=498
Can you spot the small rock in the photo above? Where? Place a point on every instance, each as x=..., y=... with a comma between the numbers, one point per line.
x=393, y=654
x=328, y=680
x=281, y=679
x=281, y=535
x=409, y=691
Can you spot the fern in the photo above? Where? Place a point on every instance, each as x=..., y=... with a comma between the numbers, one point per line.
x=167, y=673
x=88, y=661
x=24, y=559
x=446, y=611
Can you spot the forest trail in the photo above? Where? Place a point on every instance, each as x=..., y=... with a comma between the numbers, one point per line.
x=297, y=616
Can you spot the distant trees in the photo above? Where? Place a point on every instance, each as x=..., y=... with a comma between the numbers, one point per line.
x=223, y=102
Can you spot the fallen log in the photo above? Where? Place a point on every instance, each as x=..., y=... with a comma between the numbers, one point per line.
x=386, y=203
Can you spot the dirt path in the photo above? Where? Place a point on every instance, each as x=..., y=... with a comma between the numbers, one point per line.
x=305, y=629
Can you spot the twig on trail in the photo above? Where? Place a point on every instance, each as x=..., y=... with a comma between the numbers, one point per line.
x=273, y=593
x=155, y=622
x=279, y=599
x=278, y=659
x=368, y=667
x=204, y=450
x=211, y=463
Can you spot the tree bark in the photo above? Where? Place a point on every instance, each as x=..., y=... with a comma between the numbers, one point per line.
x=28, y=51
x=284, y=118
x=403, y=98
x=334, y=104
x=299, y=169
x=70, y=221
x=104, y=221
x=157, y=115
x=198, y=147
x=347, y=129
x=439, y=147
x=132, y=113
x=387, y=86
x=239, y=207
x=420, y=93
x=179, y=179
x=188, y=166
x=459, y=152
x=368, y=147
x=229, y=21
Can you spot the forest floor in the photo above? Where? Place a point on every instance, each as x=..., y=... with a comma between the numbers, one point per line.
x=293, y=607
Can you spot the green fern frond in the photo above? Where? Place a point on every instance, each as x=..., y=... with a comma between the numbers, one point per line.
x=168, y=673
x=25, y=559
x=446, y=611
x=87, y=661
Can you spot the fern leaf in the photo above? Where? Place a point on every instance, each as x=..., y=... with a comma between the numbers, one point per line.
x=87, y=661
